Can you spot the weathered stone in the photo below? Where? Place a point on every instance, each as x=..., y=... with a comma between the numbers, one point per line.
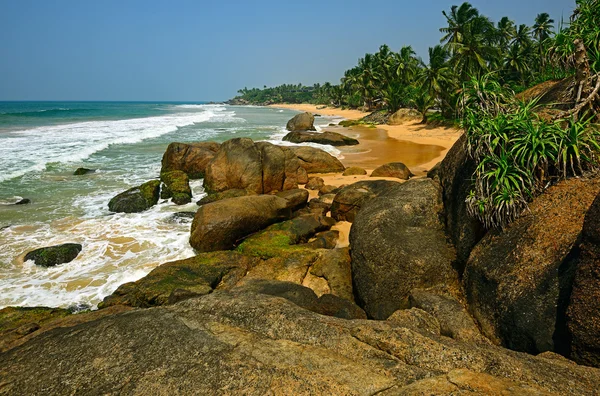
x=350, y=199
x=314, y=183
x=330, y=138
x=296, y=198
x=191, y=158
x=415, y=319
x=393, y=169
x=54, y=255
x=354, y=171
x=315, y=160
x=233, y=193
x=221, y=225
x=301, y=122
x=398, y=244
x=176, y=185
x=136, y=199
x=328, y=189
x=403, y=115
x=83, y=171
x=517, y=281
x=324, y=240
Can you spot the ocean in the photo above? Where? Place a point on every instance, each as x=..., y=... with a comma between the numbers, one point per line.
x=41, y=145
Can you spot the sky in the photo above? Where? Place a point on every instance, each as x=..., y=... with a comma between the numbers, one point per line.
x=178, y=50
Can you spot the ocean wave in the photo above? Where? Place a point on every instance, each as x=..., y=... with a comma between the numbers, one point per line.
x=43, y=112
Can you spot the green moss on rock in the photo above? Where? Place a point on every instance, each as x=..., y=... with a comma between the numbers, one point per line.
x=136, y=199
x=54, y=255
x=176, y=185
x=28, y=318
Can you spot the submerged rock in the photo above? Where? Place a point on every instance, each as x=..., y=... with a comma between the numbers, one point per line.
x=350, y=199
x=301, y=122
x=191, y=158
x=136, y=199
x=315, y=160
x=330, y=138
x=83, y=171
x=54, y=255
x=176, y=185
x=393, y=169
x=24, y=201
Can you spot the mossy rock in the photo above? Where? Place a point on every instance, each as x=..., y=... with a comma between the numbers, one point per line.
x=176, y=185
x=28, y=319
x=54, y=255
x=136, y=199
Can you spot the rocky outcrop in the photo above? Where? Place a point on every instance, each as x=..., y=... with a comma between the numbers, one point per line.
x=191, y=158
x=296, y=198
x=136, y=199
x=403, y=115
x=233, y=193
x=350, y=199
x=257, y=167
x=176, y=185
x=314, y=183
x=221, y=225
x=417, y=320
x=314, y=160
x=354, y=171
x=393, y=169
x=583, y=314
x=83, y=171
x=301, y=122
x=330, y=138
x=250, y=342
x=455, y=174
x=517, y=281
x=398, y=244
x=54, y=255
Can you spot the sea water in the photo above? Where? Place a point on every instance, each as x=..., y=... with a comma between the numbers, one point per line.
x=41, y=145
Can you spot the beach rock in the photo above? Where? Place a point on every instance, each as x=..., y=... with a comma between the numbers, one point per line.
x=518, y=281
x=176, y=185
x=191, y=158
x=402, y=116
x=416, y=320
x=398, y=244
x=354, y=171
x=330, y=138
x=452, y=317
x=314, y=183
x=233, y=193
x=254, y=343
x=178, y=280
x=393, y=169
x=136, y=199
x=221, y=225
x=54, y=255
x=455, y=174
x=257, y=167
x=315, y=160
x=24, y=201
x=350, y=199
x=376, y=117
x=83, y=171
x=324, y=203
x=296, y=198
x=301, y=122
x=328, y=189
x=583, y=314
x=324, y=240
x=182, y=217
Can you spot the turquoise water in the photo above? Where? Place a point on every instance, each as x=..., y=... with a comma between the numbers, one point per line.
x=42, y=143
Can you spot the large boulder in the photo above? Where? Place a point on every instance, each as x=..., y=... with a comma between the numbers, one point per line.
x=330, y=138
x=233, y=193
x=315, y=160
x=583, y=314
x=221, y=225
x=176, y=185
x=301, y=122
x=354, y=171
x=455, y=174
x=403, y=115
x=257, y=167
x=350, y=199
x=398, y=244
x=393, y=169
x=54, y=255
x=136, y=199
x=191, y=158
x=260, y=342
x=518, y=281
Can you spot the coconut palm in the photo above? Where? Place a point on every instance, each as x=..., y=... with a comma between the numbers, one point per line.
x=458, y=20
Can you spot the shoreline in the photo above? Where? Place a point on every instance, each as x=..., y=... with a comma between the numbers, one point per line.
x=409, y=131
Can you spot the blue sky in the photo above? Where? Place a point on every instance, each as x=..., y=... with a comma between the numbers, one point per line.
x=201, y=50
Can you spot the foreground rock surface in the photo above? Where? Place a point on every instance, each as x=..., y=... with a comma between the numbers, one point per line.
x=398, y=244
x=54, y=255
x=393, y=169
x=136, y=199
x=314, y=160
x=330, y=138
x=191, y=158
x=253, y=343
x=350, y=199
x=301, y=122
x=517, y=282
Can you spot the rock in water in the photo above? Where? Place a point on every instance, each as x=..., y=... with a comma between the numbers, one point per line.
x=136, y=199
x=517, y=281
x=176, y=185
x=83, y=171
x=350, y=199
x=315, y=160
x=221, y=225
x=583, y=314
x=330, y=138
x=54, y=255
x=301, y=122
x=191, y=158
x=393, y=169
x=398, y=244
x=24, y=201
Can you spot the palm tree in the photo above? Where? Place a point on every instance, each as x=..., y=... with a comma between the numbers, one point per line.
x=542, y=30
x=506, y=31
x=516, y=62
x=458, y=19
